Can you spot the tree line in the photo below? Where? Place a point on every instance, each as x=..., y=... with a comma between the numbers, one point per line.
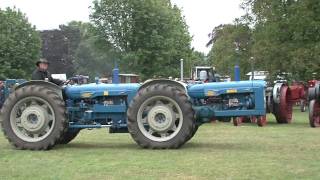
x=146, y=37
x=280, y=36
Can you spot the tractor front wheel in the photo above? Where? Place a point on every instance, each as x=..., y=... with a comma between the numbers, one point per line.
x=33, y=118
x=161, y=117
x=68, y=136
x=195, y=129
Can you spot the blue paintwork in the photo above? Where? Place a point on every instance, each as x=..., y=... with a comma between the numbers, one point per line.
x=115, y=75
x=88, y=107
x=201, y=90
x=76, y=92
x=250, y=94
x=237, y=73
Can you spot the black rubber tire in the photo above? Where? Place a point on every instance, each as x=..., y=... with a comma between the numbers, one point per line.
x=68, y=136
x=314, y=111
x=196, y=126
x=55, y=102
x=180, y=98
x=194, y=131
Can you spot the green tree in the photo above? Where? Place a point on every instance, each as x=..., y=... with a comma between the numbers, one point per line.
x=199, y=59
x=19, y=45
x=92, y=56
x=150, y=36
x=286, y=35
x=224, y=54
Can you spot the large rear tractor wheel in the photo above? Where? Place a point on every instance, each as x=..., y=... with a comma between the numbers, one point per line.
x=314, y=114
x=283, y=109
x=68, y=136
x=161, y=117
x=33, y=118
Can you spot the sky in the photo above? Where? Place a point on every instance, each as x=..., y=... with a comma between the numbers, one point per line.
x=201, y=15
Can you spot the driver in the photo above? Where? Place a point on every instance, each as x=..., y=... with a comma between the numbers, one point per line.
x=42, y=73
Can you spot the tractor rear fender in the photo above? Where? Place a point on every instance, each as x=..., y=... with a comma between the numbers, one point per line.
x=180, y=85
x=46, y=84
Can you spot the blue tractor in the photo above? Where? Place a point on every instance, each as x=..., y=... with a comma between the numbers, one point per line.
x=159, y=114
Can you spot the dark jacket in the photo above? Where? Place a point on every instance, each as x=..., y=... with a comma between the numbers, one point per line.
x=42, y=75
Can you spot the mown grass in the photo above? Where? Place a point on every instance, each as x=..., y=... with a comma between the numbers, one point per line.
x=218, y=151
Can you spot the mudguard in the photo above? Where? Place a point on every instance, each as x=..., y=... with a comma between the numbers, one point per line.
x=180, y=85
x=47, y=84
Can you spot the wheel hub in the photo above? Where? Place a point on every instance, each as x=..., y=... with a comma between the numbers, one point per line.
x=34, y=119
x=161, y=118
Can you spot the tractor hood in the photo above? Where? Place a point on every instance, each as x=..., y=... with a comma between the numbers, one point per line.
x=219, y=88
x=94, y=90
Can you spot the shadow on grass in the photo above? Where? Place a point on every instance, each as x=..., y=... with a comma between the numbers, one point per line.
x=294, y=123
x=92, y=145
x=218, y=146
x=133, y=146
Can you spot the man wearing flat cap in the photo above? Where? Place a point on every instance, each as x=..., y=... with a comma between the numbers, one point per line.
x=42, y=73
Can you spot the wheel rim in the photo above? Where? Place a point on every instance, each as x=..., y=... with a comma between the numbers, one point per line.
x=160, y=118
x=32, y=119
x=315, y=113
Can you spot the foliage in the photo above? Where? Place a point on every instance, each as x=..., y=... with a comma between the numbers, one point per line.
x=150, y=36
x=287, y=36
x=19, y=45
x=231, y=45
x=284, y=37
x=91, y=57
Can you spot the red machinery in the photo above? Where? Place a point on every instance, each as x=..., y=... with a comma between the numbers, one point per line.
x=279, y=101
x=284, y=97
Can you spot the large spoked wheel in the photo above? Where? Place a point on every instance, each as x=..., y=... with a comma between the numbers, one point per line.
x=161, y=117
x=283, y=109
x=68, y=136
x=314, y=114
x=33, y=117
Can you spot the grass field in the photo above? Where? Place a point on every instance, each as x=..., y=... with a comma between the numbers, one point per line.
x=218, y=151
